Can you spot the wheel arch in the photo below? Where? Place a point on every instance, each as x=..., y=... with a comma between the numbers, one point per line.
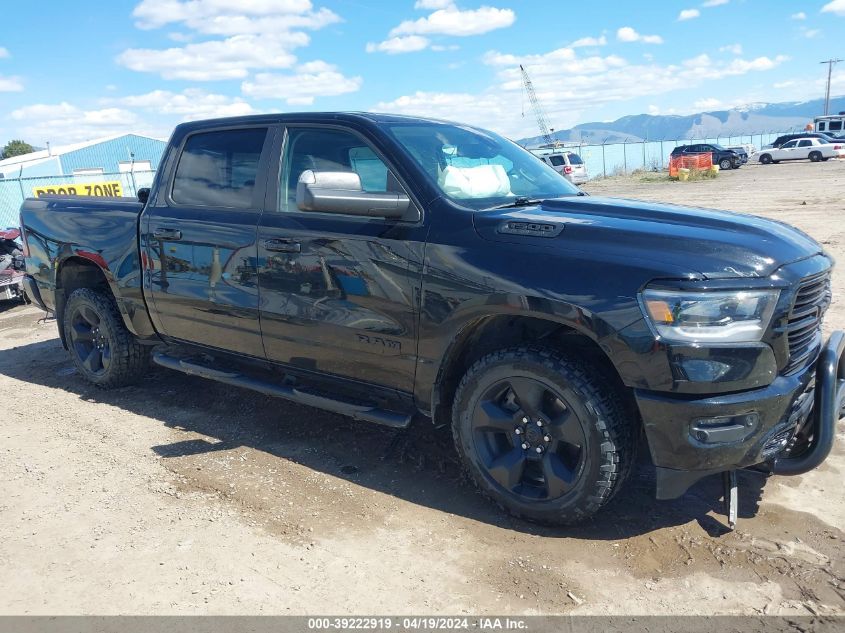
x=482, y=335
x=78, y=271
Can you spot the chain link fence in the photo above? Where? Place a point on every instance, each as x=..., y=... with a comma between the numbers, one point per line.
x=14, y=190
x=616, y=159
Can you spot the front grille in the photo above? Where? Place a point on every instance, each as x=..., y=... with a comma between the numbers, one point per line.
x=803, y=327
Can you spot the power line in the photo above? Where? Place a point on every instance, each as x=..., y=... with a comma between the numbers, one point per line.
x=830, y=63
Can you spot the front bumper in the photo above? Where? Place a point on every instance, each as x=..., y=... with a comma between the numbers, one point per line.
x=11, y=286
x=693, y=436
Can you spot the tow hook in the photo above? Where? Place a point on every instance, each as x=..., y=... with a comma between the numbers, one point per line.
x=731, y=497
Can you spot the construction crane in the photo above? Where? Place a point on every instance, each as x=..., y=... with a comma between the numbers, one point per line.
x=542, y=121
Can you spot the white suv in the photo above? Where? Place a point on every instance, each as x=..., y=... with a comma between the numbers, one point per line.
x=567, y=164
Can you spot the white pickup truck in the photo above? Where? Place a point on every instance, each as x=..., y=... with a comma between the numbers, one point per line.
x=802, y=149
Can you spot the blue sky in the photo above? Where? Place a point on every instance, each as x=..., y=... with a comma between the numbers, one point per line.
x=74, y=71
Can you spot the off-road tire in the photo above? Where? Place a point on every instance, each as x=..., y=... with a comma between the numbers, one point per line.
x=609, y=450
x=128, y=360
x=766, y=159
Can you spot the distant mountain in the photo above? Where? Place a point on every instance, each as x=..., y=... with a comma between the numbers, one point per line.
x=750, y=119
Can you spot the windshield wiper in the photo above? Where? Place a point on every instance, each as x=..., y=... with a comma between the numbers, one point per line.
x=524, y=201
x=520, y=201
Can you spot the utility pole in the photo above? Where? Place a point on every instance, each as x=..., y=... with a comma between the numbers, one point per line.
x=830, y=63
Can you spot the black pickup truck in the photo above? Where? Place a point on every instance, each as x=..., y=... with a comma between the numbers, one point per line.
x=391, y=268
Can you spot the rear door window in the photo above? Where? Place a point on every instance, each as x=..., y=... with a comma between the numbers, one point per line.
x=805, y=143
x=574, y=159
x=219, y=169
x=557, y=161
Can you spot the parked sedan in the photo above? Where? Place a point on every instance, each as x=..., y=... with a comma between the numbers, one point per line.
x=785, y=138
x=813, y=149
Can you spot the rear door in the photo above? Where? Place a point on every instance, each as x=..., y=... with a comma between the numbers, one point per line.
x=339, y=293
x=804, y=148
x=198, y=237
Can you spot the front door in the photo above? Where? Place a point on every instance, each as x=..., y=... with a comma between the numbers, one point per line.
x=339, y=293
x=198, y=238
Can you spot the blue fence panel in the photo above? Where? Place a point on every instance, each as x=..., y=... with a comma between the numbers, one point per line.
x=13, y=191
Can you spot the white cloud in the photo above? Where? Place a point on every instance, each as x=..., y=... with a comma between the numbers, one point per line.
x=688, y=14
x=190, y=104
x=487, y=109
x=568, y=85
x=710, y=103
x=785, y=84
x=65, y=123
x=714, y=3
x=231, y=58
x=836, y=6
x=799, y=16
x=10, y=84
x=229, y=18
x=396, y=45
x=258, y=35
x=433, y=5
x=736, y=49
x=311, y=80
x=810, y=33
x=4, y=52
x=589, y=41
x=439, y=48
x=628, y=34
x=453, y=21
x=653, y=110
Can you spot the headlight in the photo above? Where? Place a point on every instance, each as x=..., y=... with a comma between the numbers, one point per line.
x=716, y=317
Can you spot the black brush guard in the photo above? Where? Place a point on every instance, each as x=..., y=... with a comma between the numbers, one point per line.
x=828, y=409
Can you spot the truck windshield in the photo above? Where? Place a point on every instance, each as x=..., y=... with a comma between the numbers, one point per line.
x=479, y=169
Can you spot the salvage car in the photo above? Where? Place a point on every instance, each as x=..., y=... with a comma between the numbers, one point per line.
x=393, y=269
x=724, y=158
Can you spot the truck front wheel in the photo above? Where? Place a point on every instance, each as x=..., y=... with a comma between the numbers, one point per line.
x=104, y=352
x=542, y=435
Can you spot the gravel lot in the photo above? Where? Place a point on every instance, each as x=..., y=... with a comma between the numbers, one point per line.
x=182, y=496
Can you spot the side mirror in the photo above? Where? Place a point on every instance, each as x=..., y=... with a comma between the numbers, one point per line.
x=341, y=192
x=143, y=195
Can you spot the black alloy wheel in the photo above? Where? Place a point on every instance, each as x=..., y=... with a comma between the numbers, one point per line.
x=103, y=350
x=88, y=340
x=543, y=434
x=528, y=440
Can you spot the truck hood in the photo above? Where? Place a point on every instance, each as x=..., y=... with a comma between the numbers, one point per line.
x=704, y=242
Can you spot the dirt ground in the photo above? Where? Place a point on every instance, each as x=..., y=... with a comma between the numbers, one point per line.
x=182, y=496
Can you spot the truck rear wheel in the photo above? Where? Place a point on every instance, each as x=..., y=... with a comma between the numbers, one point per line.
x=104, y=351
x=541, y=435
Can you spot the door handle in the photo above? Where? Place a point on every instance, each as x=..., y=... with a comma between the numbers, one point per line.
x=167, y=234
x=282, y=246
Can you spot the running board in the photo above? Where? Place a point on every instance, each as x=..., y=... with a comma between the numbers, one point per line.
x=355, y=411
